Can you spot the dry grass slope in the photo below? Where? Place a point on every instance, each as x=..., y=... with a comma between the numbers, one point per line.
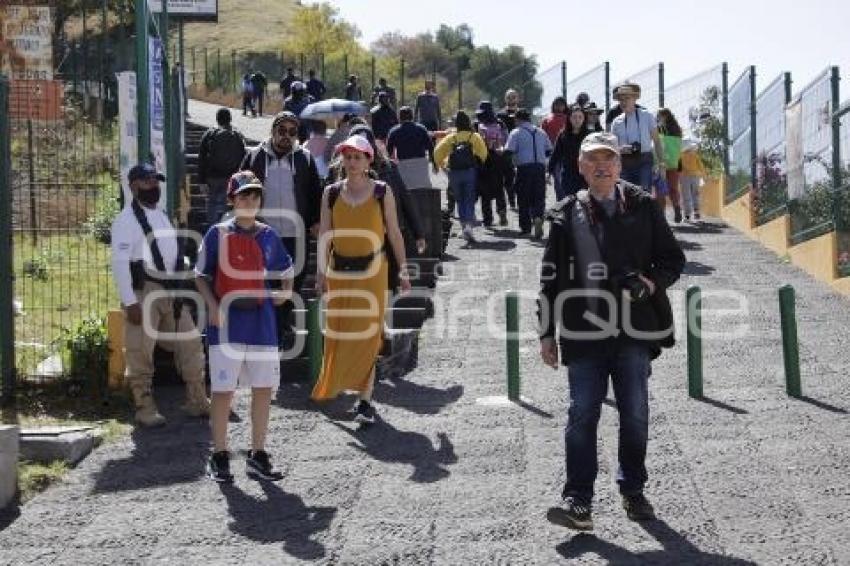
x=243, y=25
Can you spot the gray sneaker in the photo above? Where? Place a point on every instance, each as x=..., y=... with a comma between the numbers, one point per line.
x=538, y=228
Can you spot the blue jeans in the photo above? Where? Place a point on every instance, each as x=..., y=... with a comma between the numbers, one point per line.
x=530, y=193
x=638, y=171
x=629, y=368
x=216, y=199
x=462, y=184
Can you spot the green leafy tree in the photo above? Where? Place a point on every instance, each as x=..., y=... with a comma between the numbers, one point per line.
x=495, y=71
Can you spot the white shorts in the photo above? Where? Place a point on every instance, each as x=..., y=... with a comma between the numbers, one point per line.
x=234, y=365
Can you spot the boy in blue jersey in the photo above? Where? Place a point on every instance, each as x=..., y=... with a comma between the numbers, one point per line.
x=236, y=261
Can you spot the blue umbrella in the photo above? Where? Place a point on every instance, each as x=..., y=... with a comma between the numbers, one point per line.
x=333, y=109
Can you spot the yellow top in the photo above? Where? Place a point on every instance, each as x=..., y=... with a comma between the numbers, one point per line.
x=479, y=148
x=354, y=325
x=692, y=164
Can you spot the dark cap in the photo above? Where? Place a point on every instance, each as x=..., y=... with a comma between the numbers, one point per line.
x=144, y=171
x=243, y=181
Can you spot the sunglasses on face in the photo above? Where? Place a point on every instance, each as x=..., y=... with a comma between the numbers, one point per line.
x=291, y=132
x=353, y=156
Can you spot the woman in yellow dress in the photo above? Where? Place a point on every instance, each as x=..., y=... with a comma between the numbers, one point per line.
x=358, y=220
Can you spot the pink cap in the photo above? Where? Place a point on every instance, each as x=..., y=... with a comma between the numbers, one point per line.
x=356, y=143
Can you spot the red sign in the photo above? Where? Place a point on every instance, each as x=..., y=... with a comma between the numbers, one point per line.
x=36, y=100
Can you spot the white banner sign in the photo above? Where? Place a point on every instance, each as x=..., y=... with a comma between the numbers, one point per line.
x=157, y=103
x=794, y=150
x=26, y=42
x=196, y=8
x=127, y=131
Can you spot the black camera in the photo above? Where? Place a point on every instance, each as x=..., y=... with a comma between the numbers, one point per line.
x=631, y=282
x=636, y=148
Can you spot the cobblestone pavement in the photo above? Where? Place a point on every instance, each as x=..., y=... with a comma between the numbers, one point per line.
x=450, y=476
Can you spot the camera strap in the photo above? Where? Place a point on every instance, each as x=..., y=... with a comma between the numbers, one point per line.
x=626, y=121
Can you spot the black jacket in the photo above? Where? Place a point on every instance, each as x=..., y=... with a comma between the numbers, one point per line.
x=637, y=238
x=308, y=185
x=566, y=152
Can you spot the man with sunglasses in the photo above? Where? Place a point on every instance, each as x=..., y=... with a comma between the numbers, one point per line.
x=291, y=200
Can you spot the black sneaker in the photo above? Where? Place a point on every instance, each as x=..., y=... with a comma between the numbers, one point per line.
x=638, y=507
x=218, y=467
x=259, y=467
x=571, y=514
x=365, y=412
x=677, y=215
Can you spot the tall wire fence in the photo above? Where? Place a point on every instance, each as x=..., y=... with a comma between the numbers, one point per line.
x=553, y=83
x=770, y=193
x=741, y=135
x=809, y=155
x=596, y=83
x=694, y=100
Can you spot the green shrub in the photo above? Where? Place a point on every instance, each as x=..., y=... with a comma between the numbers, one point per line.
x=37, y=268
x=99, y=225
x=85, y=352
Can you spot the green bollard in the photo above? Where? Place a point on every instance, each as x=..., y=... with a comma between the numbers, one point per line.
x=790, y=346
x=512, y=339
x=693, y=307
x=314, y=338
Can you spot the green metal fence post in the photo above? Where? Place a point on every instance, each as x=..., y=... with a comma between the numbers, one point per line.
x=564, y=79
x=725, y=85
x=788, y=82
x=345, y=68
x=143, y=103
x=836, y=138
x=234, y=81
x=303, y=64
x=7, y=289
x=206, y=68
x=753, y=127
x=434, y=73
x=168, y=118
x=101, y=48
x=323, y=67
x=607, y=87
x=790, y=346
x=693, y=309
x=512, y=343
x=661, y=85
x=400, y=101
x=219, y=83
x=373, y=72
x=315, y=342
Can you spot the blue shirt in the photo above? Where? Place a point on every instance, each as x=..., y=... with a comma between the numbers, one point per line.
x=254, y=327
x=409, y=141
x=522, y=142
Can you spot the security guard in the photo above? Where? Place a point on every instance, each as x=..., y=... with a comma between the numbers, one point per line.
x=145, y=252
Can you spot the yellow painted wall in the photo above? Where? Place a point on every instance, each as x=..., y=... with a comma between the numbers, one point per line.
x=819, y=257
x=842, y=285
x=739, y=214
x=115, y=334
x=775, y=234
x=711, y=198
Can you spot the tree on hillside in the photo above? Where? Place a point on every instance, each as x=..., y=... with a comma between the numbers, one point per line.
x=458, y=41
x=495, y=71
x=318, y=29
x=422, y=54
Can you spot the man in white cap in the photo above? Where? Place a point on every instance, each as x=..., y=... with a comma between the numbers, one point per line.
x=609, y=259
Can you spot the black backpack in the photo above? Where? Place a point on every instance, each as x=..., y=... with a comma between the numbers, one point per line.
x=462, y=157
x=227, y=150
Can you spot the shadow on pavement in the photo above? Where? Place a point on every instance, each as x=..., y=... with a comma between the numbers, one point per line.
x=419, y=399
x=697, y=268
x=280, y=517
x=532, y=409
x=171, y=454
x=387, y=444
x=9, y=515
x=492, y=245
x=677, y=549
x=701, y=228
x=687, y=245
x=722, y=405
x=822, y=405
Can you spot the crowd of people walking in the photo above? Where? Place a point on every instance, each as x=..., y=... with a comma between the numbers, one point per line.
x=348, y=194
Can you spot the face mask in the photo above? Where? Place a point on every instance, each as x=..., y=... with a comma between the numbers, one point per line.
x=149, y=197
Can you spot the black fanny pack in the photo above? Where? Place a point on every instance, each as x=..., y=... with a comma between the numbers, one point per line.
x=354, y=264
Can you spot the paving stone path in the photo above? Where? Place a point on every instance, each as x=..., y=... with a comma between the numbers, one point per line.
x=746, y=475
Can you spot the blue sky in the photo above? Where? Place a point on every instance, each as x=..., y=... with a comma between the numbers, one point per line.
x=688, y=36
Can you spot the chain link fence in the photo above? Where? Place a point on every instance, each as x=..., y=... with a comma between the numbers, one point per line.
x=596, y=83
x=553, y=83
x=741, y=136
x=64, y=185
x=809, y=159
x=770, y=192
x=651, y=87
